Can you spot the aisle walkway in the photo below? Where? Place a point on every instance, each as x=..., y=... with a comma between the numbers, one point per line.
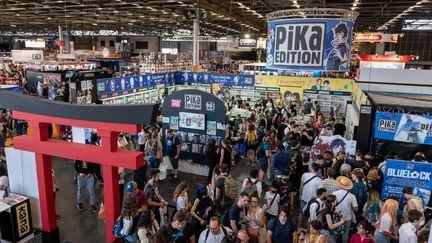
x=84, y=226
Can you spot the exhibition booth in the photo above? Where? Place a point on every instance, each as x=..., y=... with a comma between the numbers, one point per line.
x=397, y=123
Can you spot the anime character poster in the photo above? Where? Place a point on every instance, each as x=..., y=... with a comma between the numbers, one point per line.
x=399, y=174
x=334, y=144
x=192, y=121
x=407, y=128
x=309, y=44
x=174, y=122
x=211, y=128
x=54, y=83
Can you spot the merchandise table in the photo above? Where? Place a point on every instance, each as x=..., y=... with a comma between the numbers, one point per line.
x=15, y=218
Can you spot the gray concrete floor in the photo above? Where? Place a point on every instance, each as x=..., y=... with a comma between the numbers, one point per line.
x=84, y=226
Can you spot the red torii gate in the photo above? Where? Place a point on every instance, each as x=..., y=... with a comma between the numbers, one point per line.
x=35, y=112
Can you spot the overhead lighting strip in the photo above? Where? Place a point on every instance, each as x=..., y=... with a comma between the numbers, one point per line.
x=418, y=4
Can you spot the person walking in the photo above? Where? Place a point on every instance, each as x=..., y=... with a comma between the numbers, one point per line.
x=85, y=180
x=172, y=150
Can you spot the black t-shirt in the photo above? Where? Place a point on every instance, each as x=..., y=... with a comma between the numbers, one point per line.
x=232, y=214
x=304, y=141
x=280, y=131
x=284, y=189
x=293, y=136
x=174, y=235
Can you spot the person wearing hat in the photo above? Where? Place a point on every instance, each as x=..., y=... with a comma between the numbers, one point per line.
x=346, y=201
x=138, y=196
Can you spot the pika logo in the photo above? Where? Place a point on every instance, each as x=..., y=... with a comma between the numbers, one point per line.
x=387, y=125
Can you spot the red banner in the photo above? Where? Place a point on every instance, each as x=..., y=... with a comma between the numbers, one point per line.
x=375, y=37
x=59, y=43
x=385, y=58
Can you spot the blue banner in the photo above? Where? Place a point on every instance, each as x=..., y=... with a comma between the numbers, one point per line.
x=112, y=85
x=400, y=174
x=309, y=44
x=403, y=127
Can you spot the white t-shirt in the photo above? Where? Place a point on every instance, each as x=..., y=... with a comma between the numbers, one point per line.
x=315, y=208
x=4, y=181
x=255, y=183
x=181, y=203
x=309, y=189
x=273, y=209
x=385, y=223
x=407, y=233
x=211, y=238
x=348, y=202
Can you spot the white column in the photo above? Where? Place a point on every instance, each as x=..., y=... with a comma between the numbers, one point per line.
x=196, y=38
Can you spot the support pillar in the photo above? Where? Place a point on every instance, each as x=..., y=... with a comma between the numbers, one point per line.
x=60, y=38
x=111, y=184
x=50, y=231
x=196, y=34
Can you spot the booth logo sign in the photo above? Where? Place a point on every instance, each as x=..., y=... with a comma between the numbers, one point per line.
x=210, y=106
x=23, y=219
x=299, y=44
x=409, y=174
x=193, y=102
x=175, y=103
x=387, y=125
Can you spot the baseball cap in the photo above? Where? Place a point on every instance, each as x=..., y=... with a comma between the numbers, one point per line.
x=131, y=186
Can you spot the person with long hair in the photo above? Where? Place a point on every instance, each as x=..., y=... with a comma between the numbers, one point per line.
x=202, y=209
x=328, y=219
x=314, y=235
x=251, y=141
x=373, y=180
x=180, y=197
x=386, y=226
x=212, y=158
x=147, y=227
x=226, y=154
x=372, y=208
x=256, y=217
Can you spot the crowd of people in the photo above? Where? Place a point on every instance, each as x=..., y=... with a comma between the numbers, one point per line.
x=287, y=196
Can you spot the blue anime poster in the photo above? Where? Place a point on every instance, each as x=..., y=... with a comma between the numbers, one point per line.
x=309, y=44
x=400, y=127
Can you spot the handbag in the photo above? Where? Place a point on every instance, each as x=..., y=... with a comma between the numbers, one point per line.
x=163, y=168
x=101, y=214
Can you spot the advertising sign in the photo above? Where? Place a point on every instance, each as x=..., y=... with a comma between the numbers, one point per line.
x=384, y=61
x=335, y=144
x=293, y=87
x=375, y=37
x=248, y=42
x=400, y=174
x=404, y=127
x=309, y=44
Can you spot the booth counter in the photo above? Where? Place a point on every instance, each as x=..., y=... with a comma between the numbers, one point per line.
x=15, y=218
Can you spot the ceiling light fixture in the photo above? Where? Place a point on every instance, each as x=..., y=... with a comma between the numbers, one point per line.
x=384, y=26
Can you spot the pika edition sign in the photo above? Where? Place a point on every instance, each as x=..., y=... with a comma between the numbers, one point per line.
x=309, y=44
x=401, y=127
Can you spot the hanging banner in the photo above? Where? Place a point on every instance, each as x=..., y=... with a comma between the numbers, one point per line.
x=400, y=174
x=309, y=44
x=403, y=127
x=293, y=87
x=334, y=144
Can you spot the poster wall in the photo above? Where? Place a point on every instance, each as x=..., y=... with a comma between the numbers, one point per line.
x=400, y=174
x=196, y=117
x=404, y=127
x=309, y=44
x=335, y=144
x=292, y=87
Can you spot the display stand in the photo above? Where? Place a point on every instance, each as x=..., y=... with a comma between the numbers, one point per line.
x=328, y=100
x=15, y=218
x=195, y=116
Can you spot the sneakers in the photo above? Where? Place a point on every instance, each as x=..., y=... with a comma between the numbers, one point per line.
x=80, y=207
x=93, y=209
x=2, y=158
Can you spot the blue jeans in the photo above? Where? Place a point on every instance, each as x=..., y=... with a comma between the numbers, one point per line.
x=380, y=237
x=154, y=162
x=88, y=183
x=345, y=236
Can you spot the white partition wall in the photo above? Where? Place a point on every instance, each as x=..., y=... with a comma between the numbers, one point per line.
x=23, y=179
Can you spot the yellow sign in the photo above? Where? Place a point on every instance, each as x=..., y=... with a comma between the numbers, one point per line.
x=23, y=219
x=294, y=86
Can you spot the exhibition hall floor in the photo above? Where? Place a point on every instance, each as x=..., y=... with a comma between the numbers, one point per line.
x=86, y=227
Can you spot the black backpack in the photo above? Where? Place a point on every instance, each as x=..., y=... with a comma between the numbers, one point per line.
x=306, y=211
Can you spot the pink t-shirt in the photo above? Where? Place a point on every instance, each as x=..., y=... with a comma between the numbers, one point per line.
x=356, y=238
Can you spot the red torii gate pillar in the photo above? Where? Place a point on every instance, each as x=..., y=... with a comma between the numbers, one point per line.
x=107, y=155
